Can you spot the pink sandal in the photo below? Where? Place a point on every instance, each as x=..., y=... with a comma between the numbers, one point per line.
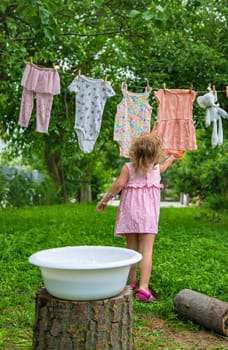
x=144, y=296
x=133, y=286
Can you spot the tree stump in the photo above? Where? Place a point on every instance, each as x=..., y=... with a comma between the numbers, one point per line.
x=83, y=325
x=209, y=312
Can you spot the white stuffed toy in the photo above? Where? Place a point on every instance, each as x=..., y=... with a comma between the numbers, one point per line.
x=213, y=114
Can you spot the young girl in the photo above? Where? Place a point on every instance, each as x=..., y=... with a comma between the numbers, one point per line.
x=139, y=208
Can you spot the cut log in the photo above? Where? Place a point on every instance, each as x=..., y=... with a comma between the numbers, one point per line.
x=83, y=325
x=209, y=312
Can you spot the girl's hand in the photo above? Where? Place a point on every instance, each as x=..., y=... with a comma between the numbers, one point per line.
x=177, y=154
x=100, y=206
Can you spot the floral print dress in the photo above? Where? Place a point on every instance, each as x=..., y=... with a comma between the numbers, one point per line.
x=132, y=118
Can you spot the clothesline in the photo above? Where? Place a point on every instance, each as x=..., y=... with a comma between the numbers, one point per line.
x=135, y=86
x=207, y=91
x=144, y=87
x=165, y=88
x=91, y=96
x=155, y=89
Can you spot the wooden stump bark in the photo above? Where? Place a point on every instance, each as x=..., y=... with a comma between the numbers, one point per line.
x=83, y=325
x=209, y=312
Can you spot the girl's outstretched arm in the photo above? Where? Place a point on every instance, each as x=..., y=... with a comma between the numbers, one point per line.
x=114, y=189
x=167, y=163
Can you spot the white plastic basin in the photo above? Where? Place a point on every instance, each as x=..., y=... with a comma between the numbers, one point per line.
x=85, y=272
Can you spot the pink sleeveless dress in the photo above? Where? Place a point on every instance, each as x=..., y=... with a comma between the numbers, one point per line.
x=139, y=207
x=174, y=123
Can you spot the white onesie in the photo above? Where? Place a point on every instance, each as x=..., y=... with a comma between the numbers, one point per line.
x=91, y=96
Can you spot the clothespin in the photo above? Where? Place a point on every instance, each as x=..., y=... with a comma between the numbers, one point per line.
x=164, y=87
x=125, y=83
x=190, y=88
x=106, y=78
x=148, y=88
x=213, y=89
x=54, y=67
x=30, y=59
x=227, y=91
x=79, y=73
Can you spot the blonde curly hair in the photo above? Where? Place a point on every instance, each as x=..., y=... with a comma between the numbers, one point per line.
x=145, y=151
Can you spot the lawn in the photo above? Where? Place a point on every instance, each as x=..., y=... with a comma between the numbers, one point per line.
x=190, y=252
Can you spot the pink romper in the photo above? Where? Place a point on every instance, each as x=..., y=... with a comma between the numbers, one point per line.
x=132, y=118
x=174, y=123
x=139, y=207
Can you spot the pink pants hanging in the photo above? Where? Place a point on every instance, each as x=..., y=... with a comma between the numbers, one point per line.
x=40, y=83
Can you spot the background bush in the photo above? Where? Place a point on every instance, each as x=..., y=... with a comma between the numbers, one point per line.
x=19, y=190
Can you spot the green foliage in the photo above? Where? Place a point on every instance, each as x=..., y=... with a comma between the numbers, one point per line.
x=187, y=237
x=216, y=202
x=3, y=188
x=21, y=191
x=176, y=42
x=18, y=190
x=202, y=173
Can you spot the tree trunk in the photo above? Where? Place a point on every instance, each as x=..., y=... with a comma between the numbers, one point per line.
x=85, y=193
x=83, y=325
x=56, y=172
x=209, y=312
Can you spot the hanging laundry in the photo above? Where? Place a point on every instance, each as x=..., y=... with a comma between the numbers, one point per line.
x=132, y=118
x=174, y=123
x=40, y=83
x=91, y=96
x=213, y=115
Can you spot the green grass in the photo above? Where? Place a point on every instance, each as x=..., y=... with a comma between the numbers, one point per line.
x=190, y=252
